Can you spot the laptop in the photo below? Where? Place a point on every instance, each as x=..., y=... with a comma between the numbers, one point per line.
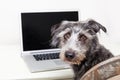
x=36, y=37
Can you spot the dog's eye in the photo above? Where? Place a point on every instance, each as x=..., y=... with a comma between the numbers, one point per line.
x=67, y=35
x=82, y=37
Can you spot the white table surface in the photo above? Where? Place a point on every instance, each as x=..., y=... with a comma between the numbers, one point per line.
x=13, y=67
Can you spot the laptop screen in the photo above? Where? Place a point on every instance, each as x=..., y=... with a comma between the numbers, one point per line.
x=36, y=28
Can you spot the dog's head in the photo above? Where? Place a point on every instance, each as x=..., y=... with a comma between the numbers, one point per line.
x=75, y=39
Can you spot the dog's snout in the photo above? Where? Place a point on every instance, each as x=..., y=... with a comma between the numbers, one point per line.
x=69, y=55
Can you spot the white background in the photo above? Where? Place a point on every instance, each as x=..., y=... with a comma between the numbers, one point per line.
x=107, y=12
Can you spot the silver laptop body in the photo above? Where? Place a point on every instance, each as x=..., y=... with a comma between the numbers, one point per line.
x=35, y=39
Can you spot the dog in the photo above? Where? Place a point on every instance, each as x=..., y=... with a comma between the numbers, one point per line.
x=79, y=44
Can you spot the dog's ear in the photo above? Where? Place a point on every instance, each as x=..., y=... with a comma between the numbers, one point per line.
x=95, y=26
x=54, y=31
x=54, y=28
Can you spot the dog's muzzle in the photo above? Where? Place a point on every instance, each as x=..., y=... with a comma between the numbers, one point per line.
x=72, y=57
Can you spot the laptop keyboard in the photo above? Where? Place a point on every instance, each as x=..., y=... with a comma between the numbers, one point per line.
x=46, y=56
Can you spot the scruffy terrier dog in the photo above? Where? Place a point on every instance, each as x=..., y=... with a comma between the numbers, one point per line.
x=79, y=44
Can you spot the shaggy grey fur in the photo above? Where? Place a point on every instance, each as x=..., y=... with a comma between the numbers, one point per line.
x=95, y=52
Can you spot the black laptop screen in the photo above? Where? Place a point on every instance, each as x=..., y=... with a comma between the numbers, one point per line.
x=36, y=28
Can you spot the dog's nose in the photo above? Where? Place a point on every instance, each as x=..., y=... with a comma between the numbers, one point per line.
x=69, y=55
